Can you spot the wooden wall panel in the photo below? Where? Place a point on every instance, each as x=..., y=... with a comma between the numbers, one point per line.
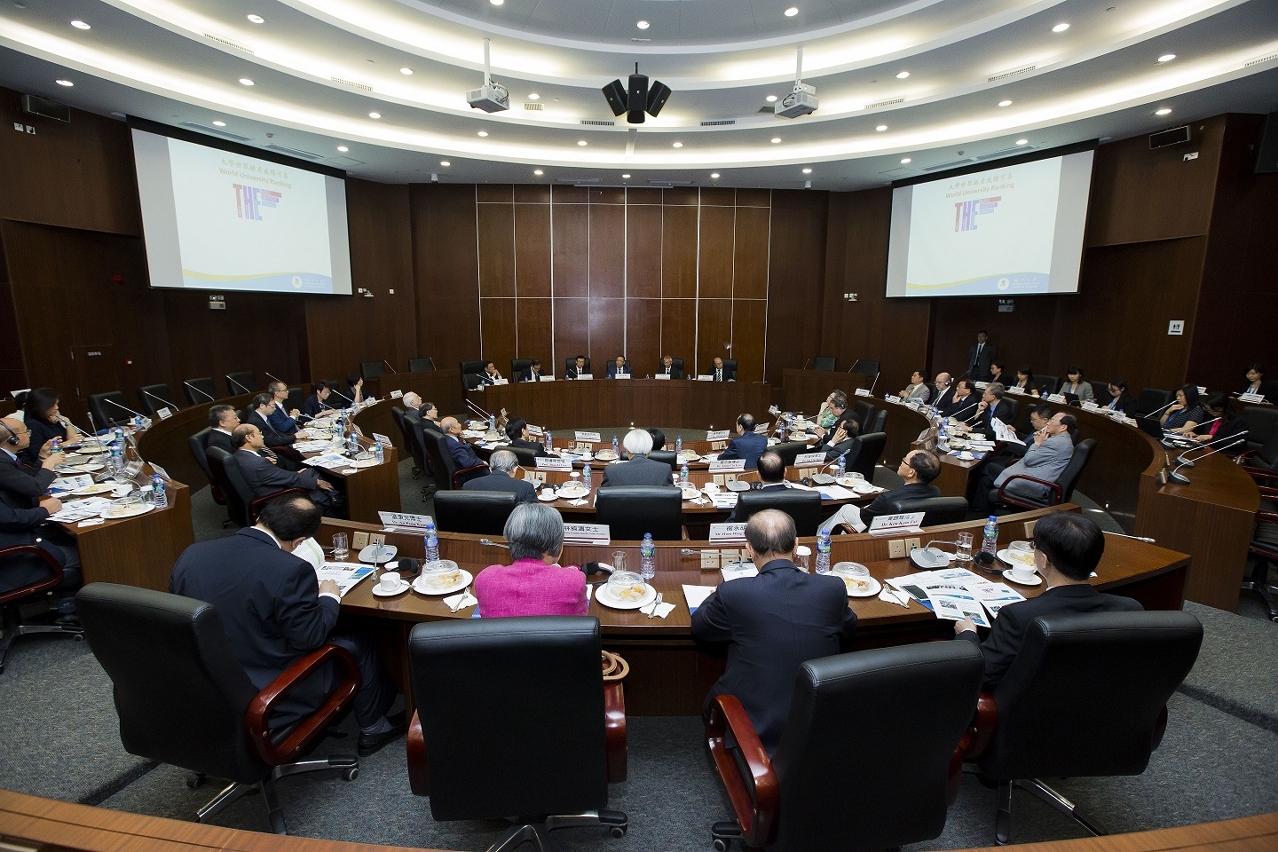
x=262, y=332
x=750, y=253
x=679, y=331
x=12, y=371
x=572, y=333
x=643, y=249
x=714, y=331
x=607, y=328
x=570, y=229
x=715, y=252
x=678, y=252
x=607, y=251
x=643, y=335
x=446, y=271
x=749, y=317
x=534, y=332
x=496, y=223
x=497, y=322
x=796, y=277
x=532, y=250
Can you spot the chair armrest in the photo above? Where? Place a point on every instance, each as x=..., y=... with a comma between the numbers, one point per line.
x=615, y=747
x=418, y=772
x=256, y=505
x=258, y=715
x=976, y=739
x=473, y=467
x=1272, y=517
x=1261, y=473
x=756, y=814
x=51, y=582
x=1058, y=493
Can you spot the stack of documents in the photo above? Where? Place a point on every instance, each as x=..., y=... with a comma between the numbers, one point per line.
x=957, y=593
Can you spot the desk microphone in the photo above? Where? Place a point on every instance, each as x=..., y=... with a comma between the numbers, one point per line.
x=836, y=459
x=1156, y=410
x=342, y=395
x=1145, y=539
x=1181, y=458
x=965, y=408
x=1177, y=476
x=388, y=364
x=200, y=391
x=160, y=399
x=277, y=378
x=230, y=381
x=126, y=408
x=475, y=409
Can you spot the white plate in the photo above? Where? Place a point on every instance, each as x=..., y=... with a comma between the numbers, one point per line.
x=569, y=493
x=133, y=513
x=691, y=494
x=1006, y=555
x=602, y=595
x=1038, y=581
x=90, y=467
x=364, y=463
x=95, y=488
x=606, y=455
x=404, y=586
x=874, y=588
x=547, y=497
x=849, y=481
x=462, y=582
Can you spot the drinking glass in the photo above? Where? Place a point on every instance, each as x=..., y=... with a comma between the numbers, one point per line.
x=803, y=557
x=618, y=560
x=341, y=547
x=964, y=545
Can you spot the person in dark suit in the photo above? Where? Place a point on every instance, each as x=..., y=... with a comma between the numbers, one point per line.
x=618, y=367
x=489, y=375
x=281, y=419
x=748, y=444
x=222, y=422
x=1120, y=399
x=772, y=624
x=259, y=412
x=942, y=392
x=771, y=477
x=533, y=373
x=722, y=373
x=1068, y=548
x=917, y=470
x=317, y=403
x=578, y=369
x=843, y=437
x=275, y=610
x=503, y=465
x=265, y=477
x=22, y=486
x=668, y=368
x=991, y=406
x=517, y=432
x=639, y=470
x=980, y=356
x=42, y=417
x=1223, y=424
x=462, y=452
x=27, y=526
x=962, y=402
x=1256, y=383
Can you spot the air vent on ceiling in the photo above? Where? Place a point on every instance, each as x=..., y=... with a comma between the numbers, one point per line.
x=953, y=164
x=363, y=87
x=1270, y=58
x=670, y=183
x=640, y=40
x=579, y=180
x=344, y=162
x=226, y=42
x=897, y=172
x=1006, y=152
x=216, y=131
x=887, y=103
x=594, y=122
x=768, y=110
x=994, y=78
x=719, y=122
x=533, y=106
x=1175, y=136
x=293, y=152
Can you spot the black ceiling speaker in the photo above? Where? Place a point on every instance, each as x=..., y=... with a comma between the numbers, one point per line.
x=615, y=94
x=657, y=97
x=637, y=98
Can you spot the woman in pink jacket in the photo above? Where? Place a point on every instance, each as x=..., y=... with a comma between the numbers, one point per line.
x=535, y=584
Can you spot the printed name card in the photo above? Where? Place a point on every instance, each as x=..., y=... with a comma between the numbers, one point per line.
x=892, y=524
x=705, y=378
x=587, y=533
x=164, y=474
x=621, y=376
x=552, y=463
x=718, y=435
x=546, y=377
x=586, y=377
x=588, y=437
x=720, y=465
x=402, y=520
x=809, y=459
x=501, y=381
x=662, y=377
x=382, y=439
x=1090, y=405
x=862, y=392
x=1056, y=397
x=727, y=532
x=396, y=394
x=980, y=385
x=535, y=430
x=1016, y=389
x=1242, y=397
x=165, y=414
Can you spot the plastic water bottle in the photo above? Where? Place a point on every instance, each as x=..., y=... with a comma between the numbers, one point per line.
x=56, y=447
x=585, y=474
x=549, y=442
x=647, y=558
x=119, y=434
x=116, y=460
x=823, y=553
x=492, y=423
x=989, y=538
x=379, y=453
x=157, y=486
x=678, y=444
x=683, y=474
x=841, y=466
x=432, y=544
x=615, y=446
x=352, y=445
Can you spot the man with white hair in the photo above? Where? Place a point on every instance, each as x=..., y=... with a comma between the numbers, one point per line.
x=503, y=465
x=412, y=401
x=640, y=470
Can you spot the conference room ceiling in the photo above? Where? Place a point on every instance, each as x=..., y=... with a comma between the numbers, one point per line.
x=904, y=87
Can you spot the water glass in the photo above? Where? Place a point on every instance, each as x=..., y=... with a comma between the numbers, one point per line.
x=341, y=547
x=803, y=557
x=618, y=561
x=964, y=545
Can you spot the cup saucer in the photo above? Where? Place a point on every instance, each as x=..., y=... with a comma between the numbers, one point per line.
x=403, y=586
x=1037, y=581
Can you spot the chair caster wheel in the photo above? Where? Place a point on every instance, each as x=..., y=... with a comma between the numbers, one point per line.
x=617, y=831
x=720, y=845
x=194, y=782
x=79, y=637
x=350, y=774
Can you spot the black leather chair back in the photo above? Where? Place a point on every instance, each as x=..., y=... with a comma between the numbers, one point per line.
x=470, y=371
x=108, y=408
x=230, y=479
x=866, y=368
x=728, y=364
x=863, y=413
x=294, y=400
x=242, y=382
x=1152, y=399
x=511, y=712
x=880, y=422
x=475, y=512
x=677, y=363
x=198, y=444
x=371, y=369
x=1101, y=390
x=937, y=510
x=179, y=691
x=666, y=456
x=517, y=368
x=894, y=791
x=632, y=510
x=824, y=363
x=527, y=457
x=871, y=451
x=421, y=440
x=1073, y=470
x=804, y=507
x=421, y=365
x=1267, y=454
x=199, y=391
x=154, y=397
x=1046, y=384
x=1096, y=683
x=442, y=466
x=572, y=362
x=1262, y=424
x=789, y=451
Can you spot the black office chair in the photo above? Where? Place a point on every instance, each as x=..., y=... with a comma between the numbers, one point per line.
x=1015, y=406
x=1101, y=389
x=402, y=418
x=198, y=444
x=572, y=362
x=200, y=391
x=804, y=507
x=294, y=400
x=824, y=363
x=868, y=369
x=1099, y=683
x=552, y=758
x=1263, y=549
x=880, y=422
x=526, y=456
x=1152, y=399
x=936, y=510
x=863, y=413
x=470, y=371
x=108, y=408
x=852, y=772
x=32, y=572
x=421, y=365
x=871, y=451
x=1055, y=493
x=729, y=364
x=632, y=510
x=1262, y=422
x=677, y=364
x=518, y=366
x=184, y=699
x=612, y=362
x=665, y=457
x=241, y=505
x=447, y=476
x=476, y=512
x=1046, y=384
x=242, y=382
x=422, y=430
x=789, y=451
x=371, y=369
x=154, y=397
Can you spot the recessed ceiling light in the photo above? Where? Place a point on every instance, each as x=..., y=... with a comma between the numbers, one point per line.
x=81, y=25
x=1163, y=111
x=219, y=123
x=902, y=75
x=538, y=172
x=905, y=160
x=1060, y=28
x=343, y=148
x=245, y=81
x=771, y=99
x=445, y=163
x=1022, y=141
x=483, y=133
x=678, y=144
x=881, y=128
x=67, y=83
x=643, y=25
x=581, y=142
x=1004, y=103
x=776, y=140
x=807, y=171
x=625, y=177
x=407, y=72
x=792, y=11
x=374, y=115
x=533, y=96
x=257, y=19
x=714, y=175
x=1167, y=57
x=497, y=2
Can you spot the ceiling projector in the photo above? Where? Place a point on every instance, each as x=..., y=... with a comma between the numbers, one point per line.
x=801, y=101
x=493, y=97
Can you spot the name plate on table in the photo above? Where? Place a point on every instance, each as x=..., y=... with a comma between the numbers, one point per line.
x=1202, y=391
x=705, y=378
x=552, y=463
x=1242, y=397
x=862, y=392
x=397, y=394
x=588, y=437
x=720, y=435
x=546, y=377
x=809, y=459
x=404, y=521
x=382, y=439
x=662, y=376
x=892, y=524
x=501, y=381
x=164, y=474
x=980, y=385
x=621, y=375
x=165, y=414
x=586, y=377
x=587, y=534
x=720, y=465
x=727, y=532
x=535, y=430
x=1056, y=397
x=1090, y=405
x=1016, y=389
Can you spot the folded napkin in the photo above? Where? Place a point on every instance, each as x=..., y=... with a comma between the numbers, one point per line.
x=663, y=609
x=890, y=595
x=460, y=602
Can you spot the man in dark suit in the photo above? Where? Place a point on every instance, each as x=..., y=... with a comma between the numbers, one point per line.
x=772, y=624
x=962, y=403
x=843, y=436
x=979, y=357
x=533, y=373
x=222, y=422
x=264, y=477
x=748, y=444
x=503, y=465
x=462, y=452
x=992, y=405
x=721, y=372
x=275, y=610
x=771, y=477
x=942, y=391
x=917, y=470
x=668, y=368
x=618, y=367
x=281, y=419
x=22, y=486
x=517, y=432
x=489, y=375
x=1068, y=547
x=260, y=411
x=578, y=368
x=640, y=470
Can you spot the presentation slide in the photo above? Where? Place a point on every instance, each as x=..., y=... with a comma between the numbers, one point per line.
x=217, y=220
x=1007, y=231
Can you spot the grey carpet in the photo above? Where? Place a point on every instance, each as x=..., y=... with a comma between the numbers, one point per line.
x=1235, y=670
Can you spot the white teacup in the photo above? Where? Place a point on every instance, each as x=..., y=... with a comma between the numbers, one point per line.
x=712, y=488
x=966, y=455
x=1022, y=573
x=389, y=581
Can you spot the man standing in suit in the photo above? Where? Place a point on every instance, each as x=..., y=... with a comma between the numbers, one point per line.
x=669, y=369
x=917, y=470
x=1045, y=458
x=771, y=477
x=748, y=444
x=578, y=369
x=533, y=373
x=275, y=611
x=640, y=470
x=723, y=373
x=503, y=465
x=772, y=624
x=265, y=477
x=980, y=356
x=1068, y=547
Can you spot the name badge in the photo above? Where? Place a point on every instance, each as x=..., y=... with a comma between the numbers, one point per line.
x=589, y=437
x=1016, y=389
x=552, y=463
x=396, y=394
x=587, y=533
x=382, y=439
x=546, y=377
x=535, y=430
x=891, y=524
x=1242, y=397
x=720, y=465
x=809, y=459
x=621, y=375
x=705, y=378
x=585, y=377
x=722, y=533
x=718, y=435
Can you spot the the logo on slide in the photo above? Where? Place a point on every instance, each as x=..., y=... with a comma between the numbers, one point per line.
x=251, y=200
x=965, y=212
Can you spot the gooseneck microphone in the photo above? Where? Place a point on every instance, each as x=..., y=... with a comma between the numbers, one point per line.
x=388, y=364
x=160, y=399
x=1188, y=463
x=1156, y=410
x=342, y=395
x=230, y=381
x=124, y=407
x=201, y=391
x=1177, y=476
